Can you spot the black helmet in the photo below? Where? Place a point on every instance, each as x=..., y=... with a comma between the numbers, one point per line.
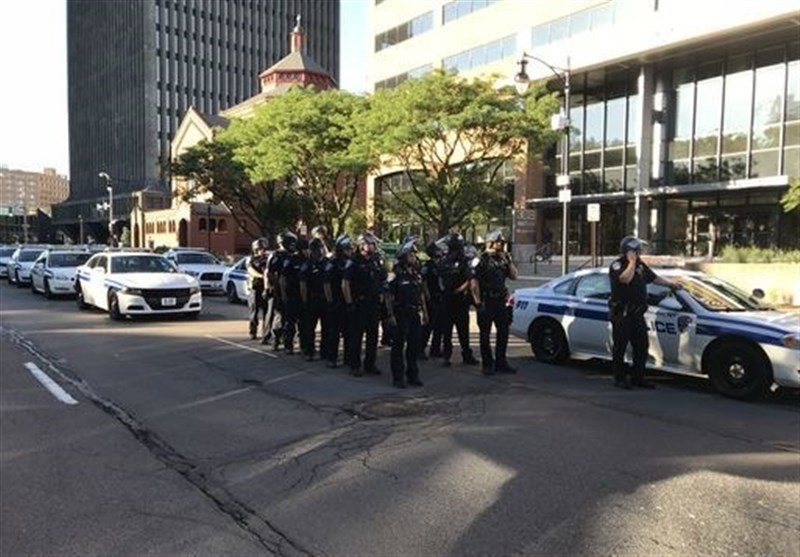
x=316, y=246
x=495, y=236
x=302, y=243
x=407, y=248
x=288, y=241
x=319, y=229
x=366, y=238
x=258, y=244
x=342, y=243
x=455, y=242
x=433, y=250
x=630, y=243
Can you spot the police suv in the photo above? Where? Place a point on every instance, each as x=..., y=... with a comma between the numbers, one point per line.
x=709, y=328
x=126, y=283
x=53, y=272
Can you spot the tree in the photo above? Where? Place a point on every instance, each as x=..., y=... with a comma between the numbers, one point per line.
x=306, y=138
x=791, y=199
x=451, y=137
x=211, y=168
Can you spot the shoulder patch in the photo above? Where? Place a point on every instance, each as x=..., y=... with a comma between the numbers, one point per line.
x=616, y=266
x=348, y=264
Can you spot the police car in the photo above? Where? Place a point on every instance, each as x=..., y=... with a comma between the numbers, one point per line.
x=200, y=264
x=136, y=283
x=5, y=256
x=20, y=263
x=53, y=272
x=234, y=280
x=708, y=328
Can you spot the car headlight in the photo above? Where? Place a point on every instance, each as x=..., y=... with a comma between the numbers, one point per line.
x=792, y=340
x=131, y=291
x=194, y=290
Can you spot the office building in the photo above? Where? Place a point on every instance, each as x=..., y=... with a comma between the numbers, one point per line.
x=136, y=66
x=685, y=115
x=23, y=191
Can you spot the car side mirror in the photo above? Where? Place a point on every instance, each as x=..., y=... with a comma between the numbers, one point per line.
x=671, y=304
x=758, y=294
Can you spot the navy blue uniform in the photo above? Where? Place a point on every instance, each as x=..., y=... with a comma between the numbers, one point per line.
x=432, y=331
x=291, y=314
x=366, y=277
x=275, y=310
x=455, y=306
x=491, y=271
x=627, y=307
x=311, y=273
x=406, y=292
x=334, y=326
x=256, y=300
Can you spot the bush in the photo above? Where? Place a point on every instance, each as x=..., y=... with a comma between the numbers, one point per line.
x=734, y=254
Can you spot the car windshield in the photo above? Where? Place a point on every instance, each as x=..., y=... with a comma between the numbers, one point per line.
x=7, y=252
x=141, y=264
x=717, y=295
x=68, y=259
x=29, y=255
x=196, y=258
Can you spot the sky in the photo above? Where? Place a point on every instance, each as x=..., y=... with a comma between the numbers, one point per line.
x=33, y=73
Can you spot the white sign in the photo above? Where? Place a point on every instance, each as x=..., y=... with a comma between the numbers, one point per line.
x=562, y=181
x=565, y=195
x=593, y=212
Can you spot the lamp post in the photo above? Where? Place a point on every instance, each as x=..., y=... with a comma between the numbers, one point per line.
x=110, y=189
x=80, y=228
x=559, y=122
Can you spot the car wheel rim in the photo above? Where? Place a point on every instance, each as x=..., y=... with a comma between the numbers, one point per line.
x=549, y=342
x=737, y=372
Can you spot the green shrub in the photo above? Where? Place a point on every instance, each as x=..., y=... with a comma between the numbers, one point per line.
x=734, y=254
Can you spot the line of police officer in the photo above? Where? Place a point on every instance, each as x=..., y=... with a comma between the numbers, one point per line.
x=348, y=291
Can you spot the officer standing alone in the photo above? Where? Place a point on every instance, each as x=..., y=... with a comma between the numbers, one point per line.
x=488, y=284
x=404, y=303
x=256, y=295
x=629, y=277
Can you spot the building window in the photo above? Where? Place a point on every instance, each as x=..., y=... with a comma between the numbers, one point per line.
x=482, y=55
x=396, y=80
x=404, y=31
x=202, y=224
x=460, y=8
x=222, y=225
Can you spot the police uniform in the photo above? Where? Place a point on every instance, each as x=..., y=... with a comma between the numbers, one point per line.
x=256, y=301
x=405, y=291
x=275, y=319
x=627, y=306
x=455, y=272
x=311, y=273
x=432, y=281
x=490, y=271
x=333, y=327
x=290, y=285
x=366, y=276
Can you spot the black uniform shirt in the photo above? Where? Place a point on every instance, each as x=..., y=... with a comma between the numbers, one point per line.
x=256, y=264
x=334, y=269
x=432, y=278
x=405, y=287
x=312, y=273
x=491, y=271
x=635, y=292
x=275, y=267
x=454, y=271
x=291, y=271
x=365, y=276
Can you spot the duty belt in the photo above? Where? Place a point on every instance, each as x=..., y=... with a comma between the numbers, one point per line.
x=497, y=294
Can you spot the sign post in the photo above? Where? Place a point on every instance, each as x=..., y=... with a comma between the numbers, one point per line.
x=593, y=217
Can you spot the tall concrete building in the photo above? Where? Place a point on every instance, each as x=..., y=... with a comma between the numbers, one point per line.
x=684, y=118
x=136, y=66
x=26, y=191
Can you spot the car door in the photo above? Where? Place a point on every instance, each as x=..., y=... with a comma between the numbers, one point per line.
x=96, y=289
x=670, y=328
x=37, y=272
x=590, y=329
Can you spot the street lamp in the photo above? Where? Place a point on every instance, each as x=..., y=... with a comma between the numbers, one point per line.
x=110, y=189
x=80, y=225
x=558, y=122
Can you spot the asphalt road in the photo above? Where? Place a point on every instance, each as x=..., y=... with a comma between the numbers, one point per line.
x=185, y=438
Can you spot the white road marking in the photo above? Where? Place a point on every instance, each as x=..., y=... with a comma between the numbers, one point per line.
x=236, y=344
x=279, y=379
x=54, y=388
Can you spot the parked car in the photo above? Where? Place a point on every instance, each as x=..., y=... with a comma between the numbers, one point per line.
x=709, y=328
x=136, y=283
x=200, y=264
x=5, y=255
x=20, y=263
x=53, y=272
x=235, y=280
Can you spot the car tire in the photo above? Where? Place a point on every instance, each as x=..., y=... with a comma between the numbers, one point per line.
x=47, y=292
x=80, y=300
x=113, y=307
x=230, y=291
x=738, y=370
x=548, y=341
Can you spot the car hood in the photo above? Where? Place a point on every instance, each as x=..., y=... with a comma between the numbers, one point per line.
x=784, y=320
x=152, y=280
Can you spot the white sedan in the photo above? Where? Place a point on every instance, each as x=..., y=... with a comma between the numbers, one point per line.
x=53, y=273
x=136, y=283
x=234, y=280
x=200, y=264
x=708, y=328
x=20, y=263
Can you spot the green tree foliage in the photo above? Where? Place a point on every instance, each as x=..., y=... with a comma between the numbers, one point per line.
x=305, y=138
x=791, y=199
x=260, y=208
x=451, y=137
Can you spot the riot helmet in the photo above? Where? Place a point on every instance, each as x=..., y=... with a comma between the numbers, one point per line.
x=259, y=244
x=343, y=243
x=455, y=242
x=630, y=243
x=319, y=230
x=317, y=248
x=495, y=236
x=289, y=241
x=406, y=250
x=433, y=250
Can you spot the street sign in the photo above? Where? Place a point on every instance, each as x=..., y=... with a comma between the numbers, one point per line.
x=562, y=181
x=565, y=195
x=593, y=212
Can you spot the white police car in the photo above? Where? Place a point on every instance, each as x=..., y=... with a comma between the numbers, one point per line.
x=5, y=256
x=200, y=264
x=128, y=283
x=20, y=263
x=708, y=328
x=234, y=280
x=53, y=272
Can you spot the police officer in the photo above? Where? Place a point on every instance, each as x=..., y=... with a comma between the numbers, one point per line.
x=434, y=293
x=274, y=270
x=455, y=274
x=311, y=292
x=362, y=288
x=488, y=284
x=629, y=277
x=404, y=303
x=256, y=297
x=290, y=288
x=334, y=326
x=320, y=232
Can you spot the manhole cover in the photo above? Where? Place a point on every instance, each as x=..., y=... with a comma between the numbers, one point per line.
x=392, y=408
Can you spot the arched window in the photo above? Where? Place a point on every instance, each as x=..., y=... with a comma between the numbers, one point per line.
x=202, y=223
x=222, y=225
x=212, y=225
